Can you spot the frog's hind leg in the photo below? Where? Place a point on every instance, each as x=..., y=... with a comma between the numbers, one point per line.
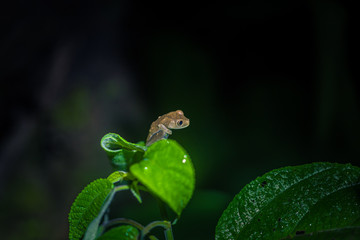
x=156, y=137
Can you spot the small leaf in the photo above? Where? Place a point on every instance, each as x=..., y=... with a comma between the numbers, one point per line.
x=135, y=191
x=167, y=171
x=126, y=232
x=122, y=153
x=292, y=201
x=119, y=161
x=125, y=158
x=87, y=205
x=113, y=143
x=117, y=176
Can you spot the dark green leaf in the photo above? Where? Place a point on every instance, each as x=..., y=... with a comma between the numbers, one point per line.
x=294, y=200
x=119, y=161
x=125, y=232
x=125, y=158
x=167, y=171
x=87, y=206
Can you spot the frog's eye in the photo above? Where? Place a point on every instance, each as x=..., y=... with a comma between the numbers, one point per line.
x=179, y=123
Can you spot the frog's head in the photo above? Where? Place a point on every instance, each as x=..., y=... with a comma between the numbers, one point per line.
x=179, y=120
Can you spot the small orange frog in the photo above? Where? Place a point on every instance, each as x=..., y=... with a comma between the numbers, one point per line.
x=160, y=128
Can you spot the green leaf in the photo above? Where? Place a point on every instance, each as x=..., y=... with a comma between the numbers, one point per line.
x=134, y=188
x=125, y=158
x=93, y=229
x=112, y=143
x=126, y=232
x=117, y=176
x=87, y=205
x=294, y=200
x=167, y=171
x=122, y=153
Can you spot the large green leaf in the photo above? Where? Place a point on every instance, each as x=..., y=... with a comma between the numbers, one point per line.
x=291, y=201
x=87, y=206
x=125, y=232
x=167, y=171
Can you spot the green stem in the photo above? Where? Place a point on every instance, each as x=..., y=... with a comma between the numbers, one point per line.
x=117, y=221
x=127, y=221
x=168, y=234
x=121, y=188
x=165, y=224
x=126, y=187
x=144, y=230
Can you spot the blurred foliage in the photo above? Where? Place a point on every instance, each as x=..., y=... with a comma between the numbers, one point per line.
x=72, y=113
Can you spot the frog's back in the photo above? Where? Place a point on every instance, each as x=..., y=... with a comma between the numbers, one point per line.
x=154, y=127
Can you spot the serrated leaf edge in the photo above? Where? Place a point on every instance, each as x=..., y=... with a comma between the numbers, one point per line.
x=76, y=205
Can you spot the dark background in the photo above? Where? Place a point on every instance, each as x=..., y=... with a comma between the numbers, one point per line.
x=266, y=84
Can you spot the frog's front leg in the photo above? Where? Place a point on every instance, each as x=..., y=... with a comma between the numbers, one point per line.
x=165, y=129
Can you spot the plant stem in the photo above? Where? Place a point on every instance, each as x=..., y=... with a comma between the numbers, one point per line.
x=126, y=187
x=131, y=222
x=117, y=221
x=144, y=230
x=168, y=234
x=165, y=224
x=121, y=188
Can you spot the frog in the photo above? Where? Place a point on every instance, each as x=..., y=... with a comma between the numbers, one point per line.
x=160, y=128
